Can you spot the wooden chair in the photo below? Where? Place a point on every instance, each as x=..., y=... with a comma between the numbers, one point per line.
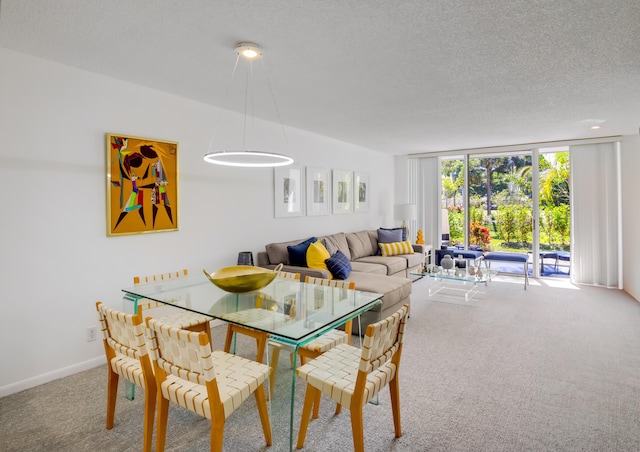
x=260, y=337
x=174, y=316
x=212, y=384
x=126, y=350
x=352, y=377
x=328, y=340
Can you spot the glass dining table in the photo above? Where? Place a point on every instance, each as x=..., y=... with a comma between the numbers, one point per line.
x=293, y=313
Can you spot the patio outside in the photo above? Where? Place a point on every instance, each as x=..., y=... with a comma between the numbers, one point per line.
x=500, y=206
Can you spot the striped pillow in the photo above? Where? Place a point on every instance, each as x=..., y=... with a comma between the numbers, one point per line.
x=339, y=265
x=395, y=248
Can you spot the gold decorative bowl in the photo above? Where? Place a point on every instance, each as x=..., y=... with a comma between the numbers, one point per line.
x=242, y=278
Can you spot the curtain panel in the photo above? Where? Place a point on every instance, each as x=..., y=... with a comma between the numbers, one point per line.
x=596, y=236
x=424, y=191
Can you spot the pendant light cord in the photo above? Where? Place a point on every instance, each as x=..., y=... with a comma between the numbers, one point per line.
x=224, y=101
x=275, y=104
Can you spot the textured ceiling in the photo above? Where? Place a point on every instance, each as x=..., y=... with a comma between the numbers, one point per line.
x=397, y=76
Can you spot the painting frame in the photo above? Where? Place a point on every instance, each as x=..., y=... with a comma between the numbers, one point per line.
x=342, y=191
x=361, y=191
x=288, y=191
x=318, y=191
x=142, y=187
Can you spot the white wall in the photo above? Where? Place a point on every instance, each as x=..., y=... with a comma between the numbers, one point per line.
x=56, y=260
x=631, y=214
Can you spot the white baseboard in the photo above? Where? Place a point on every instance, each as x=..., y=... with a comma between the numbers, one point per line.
x=64, y=372
x=51, y=376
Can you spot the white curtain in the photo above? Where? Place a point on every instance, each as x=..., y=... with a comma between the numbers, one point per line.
x=596, y=237
x=424, y=191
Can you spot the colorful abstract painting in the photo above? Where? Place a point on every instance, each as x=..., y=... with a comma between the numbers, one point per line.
x=142, y=185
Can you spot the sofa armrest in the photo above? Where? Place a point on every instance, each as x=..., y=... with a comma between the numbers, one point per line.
x=418, y=248
x=263, y=259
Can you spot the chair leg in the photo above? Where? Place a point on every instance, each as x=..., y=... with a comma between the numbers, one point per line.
x=161, y=428
x=357, y=428
x=228, y=338
x=316, y=405
x=264, y=413
x=217, y=434
x=112, y=395
x=150, y=397
x=309, y=397
x=394, y=390
x=261, y=345
x=338, y=408
x=275, y=356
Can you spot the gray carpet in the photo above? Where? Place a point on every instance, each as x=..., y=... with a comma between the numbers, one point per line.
x=549, y=369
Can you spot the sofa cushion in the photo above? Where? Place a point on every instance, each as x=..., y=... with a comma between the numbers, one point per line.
x=278, y=252
x=413, y=260
x=330, y=248
x=317, y=254
x=392, y=264
x=339, y=265
x=338, y=242
x=393, y=249
x=367, y=267
x=298, y=253
x=394, y=288
x=362, y=243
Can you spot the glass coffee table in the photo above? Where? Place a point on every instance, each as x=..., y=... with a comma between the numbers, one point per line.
x=461, y=285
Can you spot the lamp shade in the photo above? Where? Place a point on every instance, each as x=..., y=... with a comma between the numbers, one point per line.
x=405, y=212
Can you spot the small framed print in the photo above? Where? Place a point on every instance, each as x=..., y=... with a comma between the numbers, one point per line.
x=361, y=192
x=288, y=191
x=318, y=191
x=342, y=191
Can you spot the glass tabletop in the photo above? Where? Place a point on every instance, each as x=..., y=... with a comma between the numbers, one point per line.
x=463, y=276
x=291, y=311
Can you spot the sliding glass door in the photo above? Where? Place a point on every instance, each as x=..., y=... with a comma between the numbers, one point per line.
x=554, y=211
x=510, y=201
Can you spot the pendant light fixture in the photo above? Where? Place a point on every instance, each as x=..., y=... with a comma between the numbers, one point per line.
x=242, y=156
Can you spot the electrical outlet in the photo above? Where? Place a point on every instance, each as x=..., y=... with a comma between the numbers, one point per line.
x=92, y=333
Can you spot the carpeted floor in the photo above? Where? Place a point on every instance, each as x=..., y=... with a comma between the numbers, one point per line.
x=553, y=368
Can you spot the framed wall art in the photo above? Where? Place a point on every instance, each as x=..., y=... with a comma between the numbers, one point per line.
x=342, y=191
x=142, y=185
x=318, y=191
x=361, y=192
x=288, y=191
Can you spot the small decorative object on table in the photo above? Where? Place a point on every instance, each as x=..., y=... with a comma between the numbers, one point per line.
x=420, y=238
x=245, y=258
x=242, y=278
x=446, y=262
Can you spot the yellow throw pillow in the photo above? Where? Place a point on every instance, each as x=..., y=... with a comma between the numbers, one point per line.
x=395, y=248
x=316, y=255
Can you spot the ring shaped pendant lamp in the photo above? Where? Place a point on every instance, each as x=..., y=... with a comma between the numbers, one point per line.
x=244, y=157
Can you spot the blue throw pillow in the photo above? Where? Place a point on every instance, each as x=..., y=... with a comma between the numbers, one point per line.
x=339, y=265
x=391, y=235
x=298, y=253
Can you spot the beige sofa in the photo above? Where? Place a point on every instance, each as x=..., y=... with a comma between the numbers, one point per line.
x=388, y=275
